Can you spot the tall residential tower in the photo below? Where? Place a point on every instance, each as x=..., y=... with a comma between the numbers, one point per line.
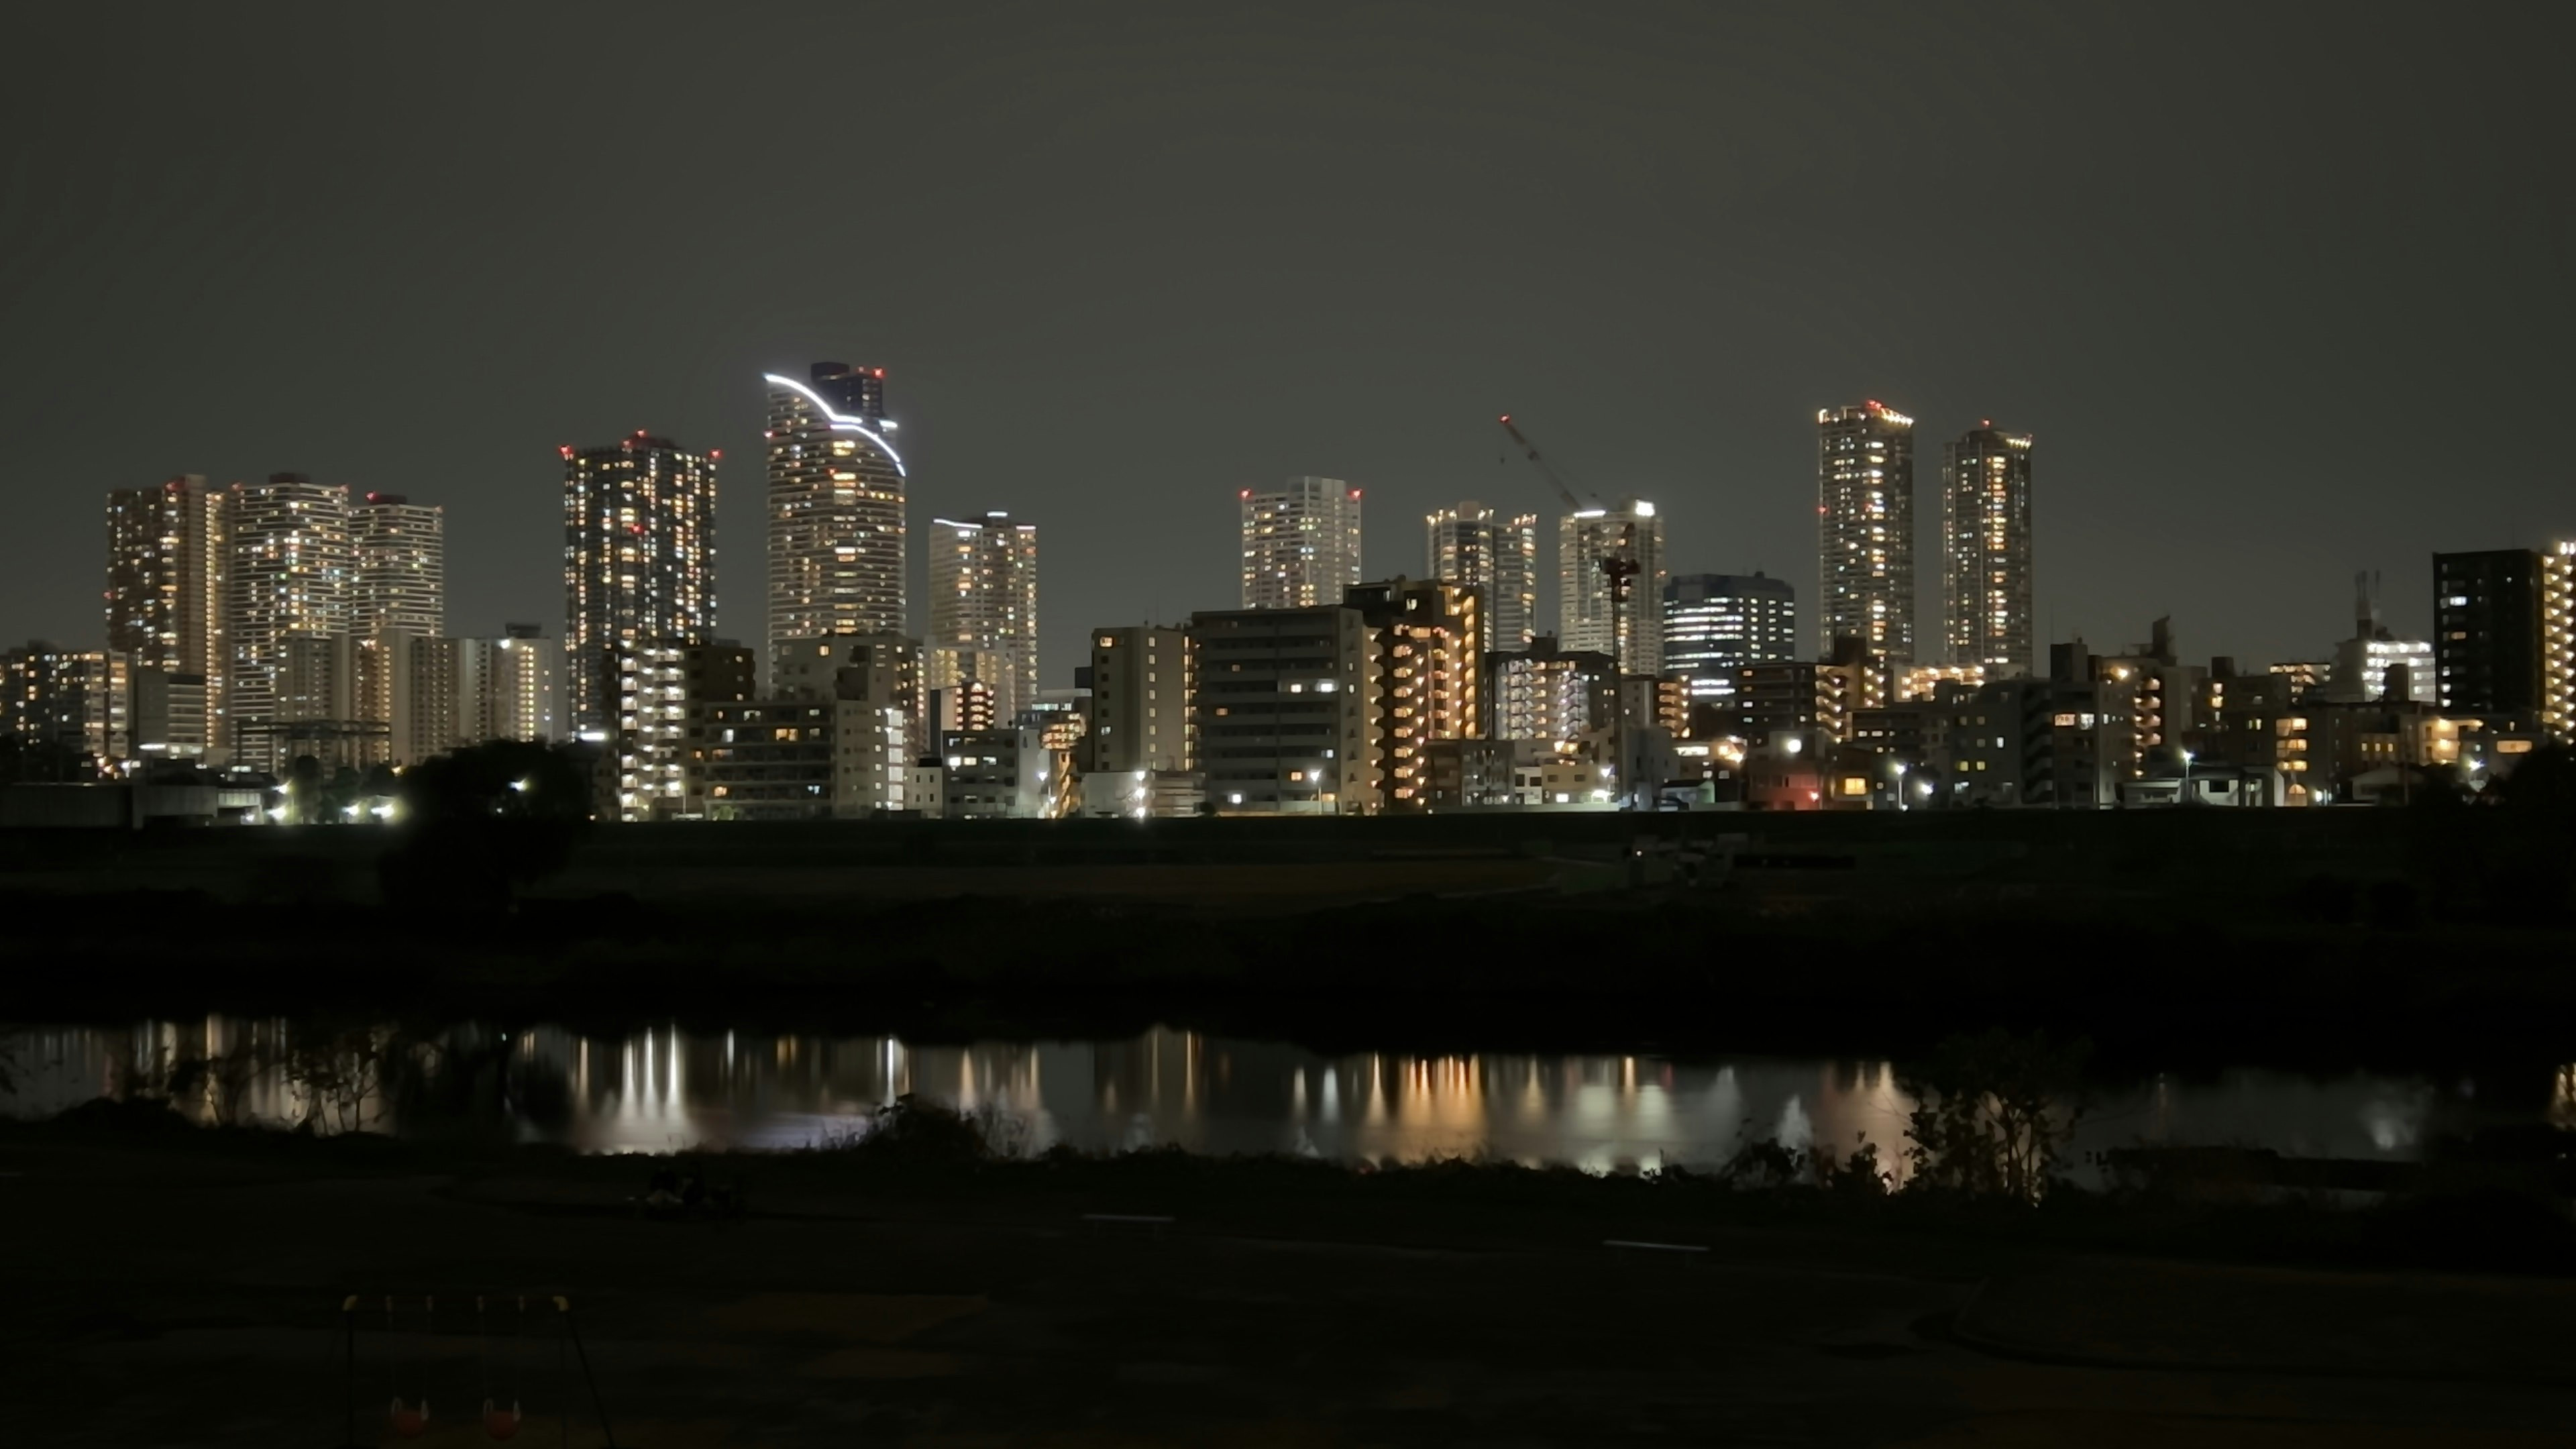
x=984, y=606
x=166, y=557
x=836, y=507
x=286, y=614
x=1985, y=552
x=1301, y=544
x=1473, y=546
x=1865, y=530
x=639, y=561
x=1587, y=621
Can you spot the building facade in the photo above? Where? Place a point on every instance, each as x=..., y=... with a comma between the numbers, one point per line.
x=657, y=687
x=1865, y=529
x=984, y=599
x=1281, y=710
x=1715, y=624
x=1587, y=619
x=1472, y=545
x=639, y=562
x=836, y=506
x=1139, y=721
x=873, y=683
x=1301, y=544
x=1426, y=647
x=2488, y=632
x=398, y=590
x=287, y=608
x=1986, y=590
x=166, y=559
x=1546, y=694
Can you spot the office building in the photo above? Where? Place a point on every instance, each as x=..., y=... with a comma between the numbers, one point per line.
x=1427, y=656
x=166, y=556
x=639, y=562
x=1715, y=624
x=836, y=506
x=1986, y=610
x=1301, y=544
x=984, y=599
x=1633, y=632
x=1865, y=529
x=1473, y=546
x=1281, y=710
x=288, y=609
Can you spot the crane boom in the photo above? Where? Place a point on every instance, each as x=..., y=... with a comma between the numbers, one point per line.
x=1529, y=449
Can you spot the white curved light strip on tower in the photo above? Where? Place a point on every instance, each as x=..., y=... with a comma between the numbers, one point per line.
x=838, y=422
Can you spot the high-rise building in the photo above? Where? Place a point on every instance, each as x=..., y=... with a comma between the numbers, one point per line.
x=1426, y=653
x=451, y=693
x=75, y=699
x=1301, y=544
x=1137, y=718
x=1865, y=530
x=286, y=606
x=2558, y=639
x=639, y=561
x=166, y=554
x=1472, y=545
x=2489, y=631
x=1986, y=609
x=397, y=591
x=658, y=687
x=1634, y=633
x=984, y=598
x=1715, y=624
x=400, y=582
x=836, y=506
x=1281, y=710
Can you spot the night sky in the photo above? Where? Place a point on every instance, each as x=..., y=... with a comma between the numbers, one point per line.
x=2282, y=290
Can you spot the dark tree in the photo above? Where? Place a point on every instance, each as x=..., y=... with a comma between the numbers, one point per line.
x=477, y=825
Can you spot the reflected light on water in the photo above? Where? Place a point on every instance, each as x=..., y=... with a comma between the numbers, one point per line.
x=662, y=1088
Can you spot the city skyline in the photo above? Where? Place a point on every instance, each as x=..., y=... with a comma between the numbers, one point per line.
x=1151, y=340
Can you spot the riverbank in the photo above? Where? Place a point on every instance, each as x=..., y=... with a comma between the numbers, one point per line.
x=185, y=1288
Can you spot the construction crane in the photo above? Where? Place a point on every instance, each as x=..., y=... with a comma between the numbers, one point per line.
x=1573, y=504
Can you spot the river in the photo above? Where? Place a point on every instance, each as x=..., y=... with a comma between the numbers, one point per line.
x=667, y=1089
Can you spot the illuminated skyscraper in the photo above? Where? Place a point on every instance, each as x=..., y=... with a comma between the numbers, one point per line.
x=166, y=551
x=399, y=591
x=1471, y=545
x=1301, y=544
x=639, y=560
x=836, y=507
x=984, y=599
x=286, y=613
x=400, y=585
x=1715, y=624
x=1865, y=530
x=1634, y=634
x=1985, y=552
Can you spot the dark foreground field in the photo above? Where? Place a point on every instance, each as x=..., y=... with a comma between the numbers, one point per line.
x=186, y=1291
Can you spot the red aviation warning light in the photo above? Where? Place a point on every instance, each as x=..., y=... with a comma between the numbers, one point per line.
x=566, y=450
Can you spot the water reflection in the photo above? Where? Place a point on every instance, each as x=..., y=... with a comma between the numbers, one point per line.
x=665, y=1089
